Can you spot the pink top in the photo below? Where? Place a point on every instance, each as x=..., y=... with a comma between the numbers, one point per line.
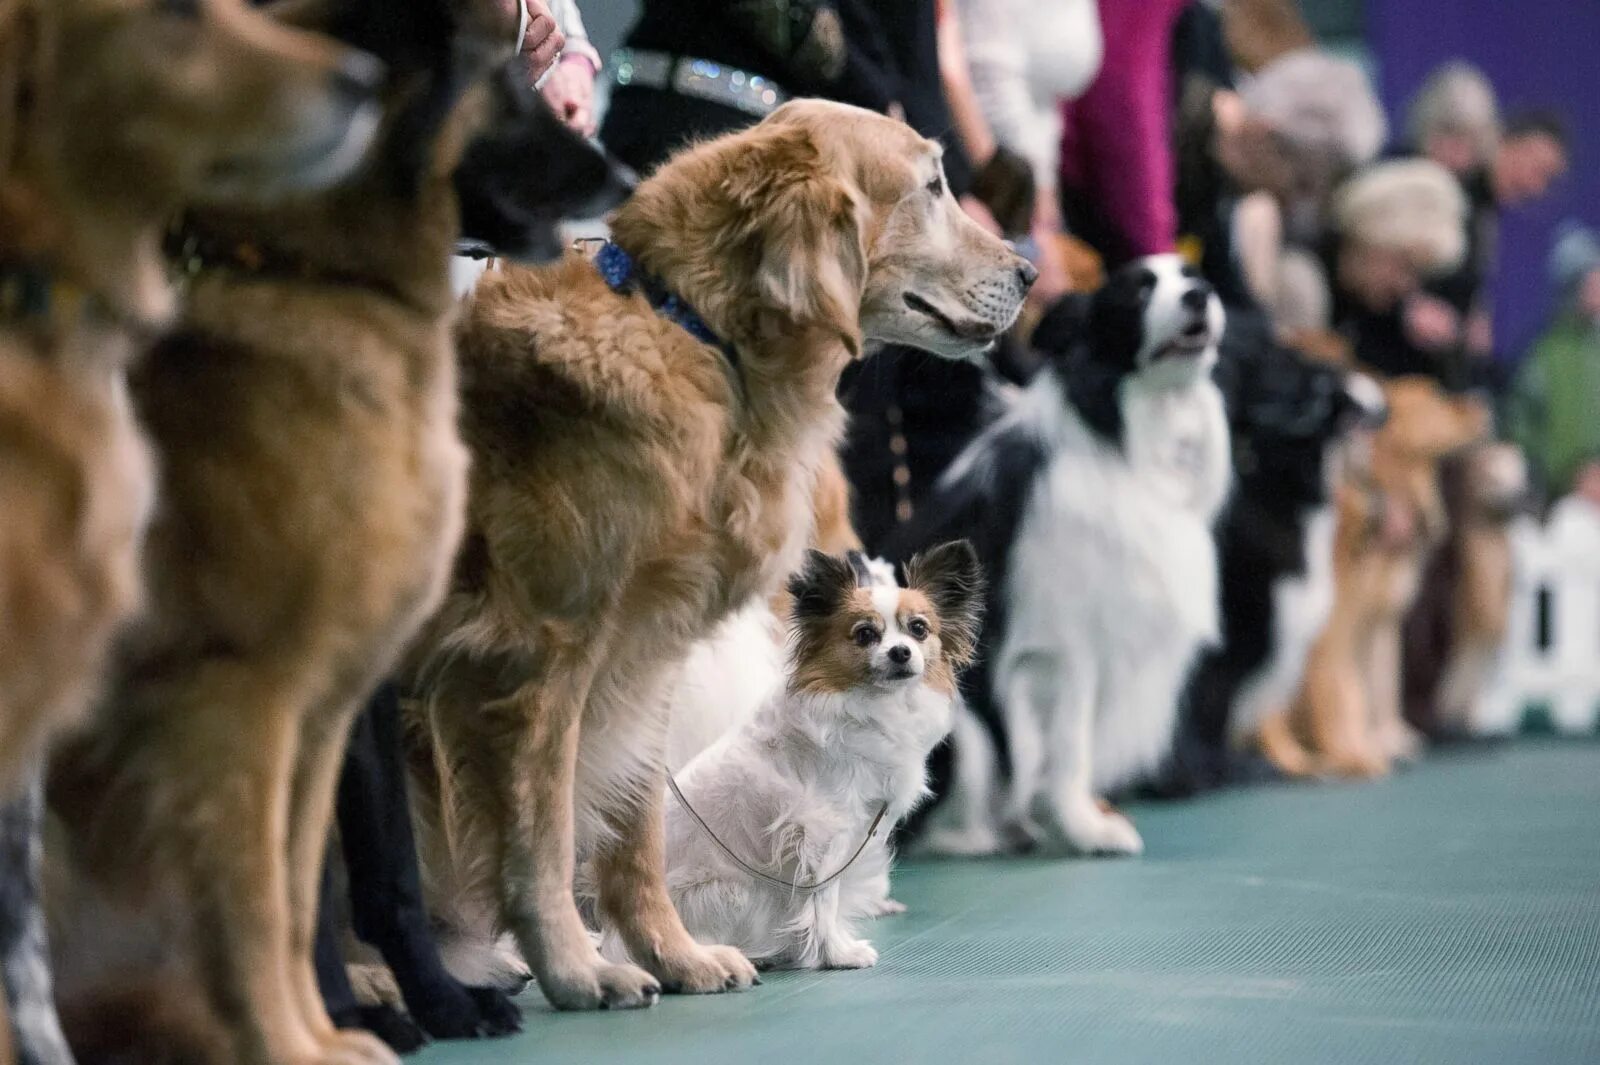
x=1116, y=142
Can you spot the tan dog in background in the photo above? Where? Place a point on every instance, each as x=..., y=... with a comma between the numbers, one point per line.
x=632, y=486
x=112, y=114
x=1347, y=721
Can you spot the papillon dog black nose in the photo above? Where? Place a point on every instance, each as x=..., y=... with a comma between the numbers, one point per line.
x=1196, y=298
x=899, y=654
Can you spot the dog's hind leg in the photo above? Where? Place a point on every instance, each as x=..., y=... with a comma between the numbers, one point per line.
x=24, y=952
x=386, y=885
x=543, y=721
x=631, y=870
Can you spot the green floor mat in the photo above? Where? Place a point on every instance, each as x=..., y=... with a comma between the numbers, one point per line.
x=1449, y=915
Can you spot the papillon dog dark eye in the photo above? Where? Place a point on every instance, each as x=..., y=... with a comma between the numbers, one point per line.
x=865, y=634
x=918, y=629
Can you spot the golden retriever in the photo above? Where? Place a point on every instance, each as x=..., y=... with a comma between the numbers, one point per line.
x=112, y=114
x=313, y=483
x=1347, y=720
x=632, y=485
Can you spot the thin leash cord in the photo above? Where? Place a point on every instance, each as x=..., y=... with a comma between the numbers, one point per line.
x=814, y=886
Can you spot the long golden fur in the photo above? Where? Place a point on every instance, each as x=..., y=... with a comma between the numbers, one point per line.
x=112, y=113
x=313, y=484
x=1347, y=720
x=631, y=487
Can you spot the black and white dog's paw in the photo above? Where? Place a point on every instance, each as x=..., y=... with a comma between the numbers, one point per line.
x=1095, y=828
x=391, y=1025
x=452, y=1011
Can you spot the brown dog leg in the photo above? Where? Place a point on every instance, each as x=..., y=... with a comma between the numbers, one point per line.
x=633, y=897
x=1278, y=744
x=322, y=740
x=539, y=849
x=1336, y=713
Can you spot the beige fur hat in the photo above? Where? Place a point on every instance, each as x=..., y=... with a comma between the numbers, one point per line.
x=1409, y=205
x=1319, y=102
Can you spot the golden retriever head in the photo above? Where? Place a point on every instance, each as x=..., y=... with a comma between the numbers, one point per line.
x=829, y=218
x=115, y=112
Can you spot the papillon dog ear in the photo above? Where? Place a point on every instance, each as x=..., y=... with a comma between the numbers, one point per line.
x=820, y=586
x=950, y=576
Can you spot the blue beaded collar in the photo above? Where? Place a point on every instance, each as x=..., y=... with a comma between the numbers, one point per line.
x=623, y=275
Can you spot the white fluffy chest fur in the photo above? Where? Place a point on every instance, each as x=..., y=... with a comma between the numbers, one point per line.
x=1121, y=542
x=794, y=793
x=1300, y=608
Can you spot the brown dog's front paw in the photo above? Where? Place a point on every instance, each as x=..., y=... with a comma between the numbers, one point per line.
x=1364, y=766
x=356, y=1048
x=603, y=987
x=700, y=970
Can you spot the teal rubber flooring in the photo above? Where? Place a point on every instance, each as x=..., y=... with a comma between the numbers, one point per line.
x=1450, y=914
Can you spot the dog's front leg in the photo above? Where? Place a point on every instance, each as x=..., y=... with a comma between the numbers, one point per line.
x=1074, y=693
x=834, y=943
x=633, y=897
x=539, y=851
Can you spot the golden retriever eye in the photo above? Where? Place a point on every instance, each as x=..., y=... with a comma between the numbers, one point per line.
x=936, y=186
x=918, y=629
x=188, y=9
x=865, y=635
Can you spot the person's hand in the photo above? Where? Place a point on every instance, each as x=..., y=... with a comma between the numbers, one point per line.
x=543, y=41
x=1431, y=323
x=570, y=92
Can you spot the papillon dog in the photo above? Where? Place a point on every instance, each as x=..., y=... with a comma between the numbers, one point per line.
x=777, y=838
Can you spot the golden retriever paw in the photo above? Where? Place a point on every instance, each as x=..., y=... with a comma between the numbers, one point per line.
x=700, y=970
x=1366, y=766
x=601, y=986
x=355, y=1048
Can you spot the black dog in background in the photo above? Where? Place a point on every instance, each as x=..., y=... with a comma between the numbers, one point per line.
x=1289, y=419
x=517, y=181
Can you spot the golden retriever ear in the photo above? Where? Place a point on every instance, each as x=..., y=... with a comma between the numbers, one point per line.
x=807, y=227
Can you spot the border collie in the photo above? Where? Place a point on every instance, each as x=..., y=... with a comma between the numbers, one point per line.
x=1091, y=501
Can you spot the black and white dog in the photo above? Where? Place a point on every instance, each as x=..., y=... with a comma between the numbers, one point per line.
x=1291, y=421
x=1091, y=500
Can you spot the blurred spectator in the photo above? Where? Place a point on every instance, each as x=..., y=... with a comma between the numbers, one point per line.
x=1258, y=163
x=1554, y=407
x=1117, y=172
x=1453, y=123
x=699, y=68
x=1259, y=31
x=1395, y=224
x=569, y=85
x=1024, y=60
x=1455, y=120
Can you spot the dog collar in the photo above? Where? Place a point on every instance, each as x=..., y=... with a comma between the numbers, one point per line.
x=622, y=275
x=192, y=251
x=32, y=294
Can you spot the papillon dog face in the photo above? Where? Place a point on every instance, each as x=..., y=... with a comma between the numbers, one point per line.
x=855, y=628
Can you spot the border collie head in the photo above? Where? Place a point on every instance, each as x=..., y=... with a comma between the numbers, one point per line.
x=1290, y=417
x=1159, y=319
x=855, y=630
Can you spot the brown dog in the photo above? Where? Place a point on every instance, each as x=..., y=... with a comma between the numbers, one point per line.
x=633, y=484
x=1459, y=625
x=1347, y=721
x=313, y=483
x=113, y=113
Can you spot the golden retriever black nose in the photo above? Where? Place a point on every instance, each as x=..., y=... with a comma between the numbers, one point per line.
x=1027, y=273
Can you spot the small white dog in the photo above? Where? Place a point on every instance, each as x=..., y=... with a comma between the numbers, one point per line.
x=813, y=784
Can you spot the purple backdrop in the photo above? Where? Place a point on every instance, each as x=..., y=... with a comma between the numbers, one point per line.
x=1537, y=52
